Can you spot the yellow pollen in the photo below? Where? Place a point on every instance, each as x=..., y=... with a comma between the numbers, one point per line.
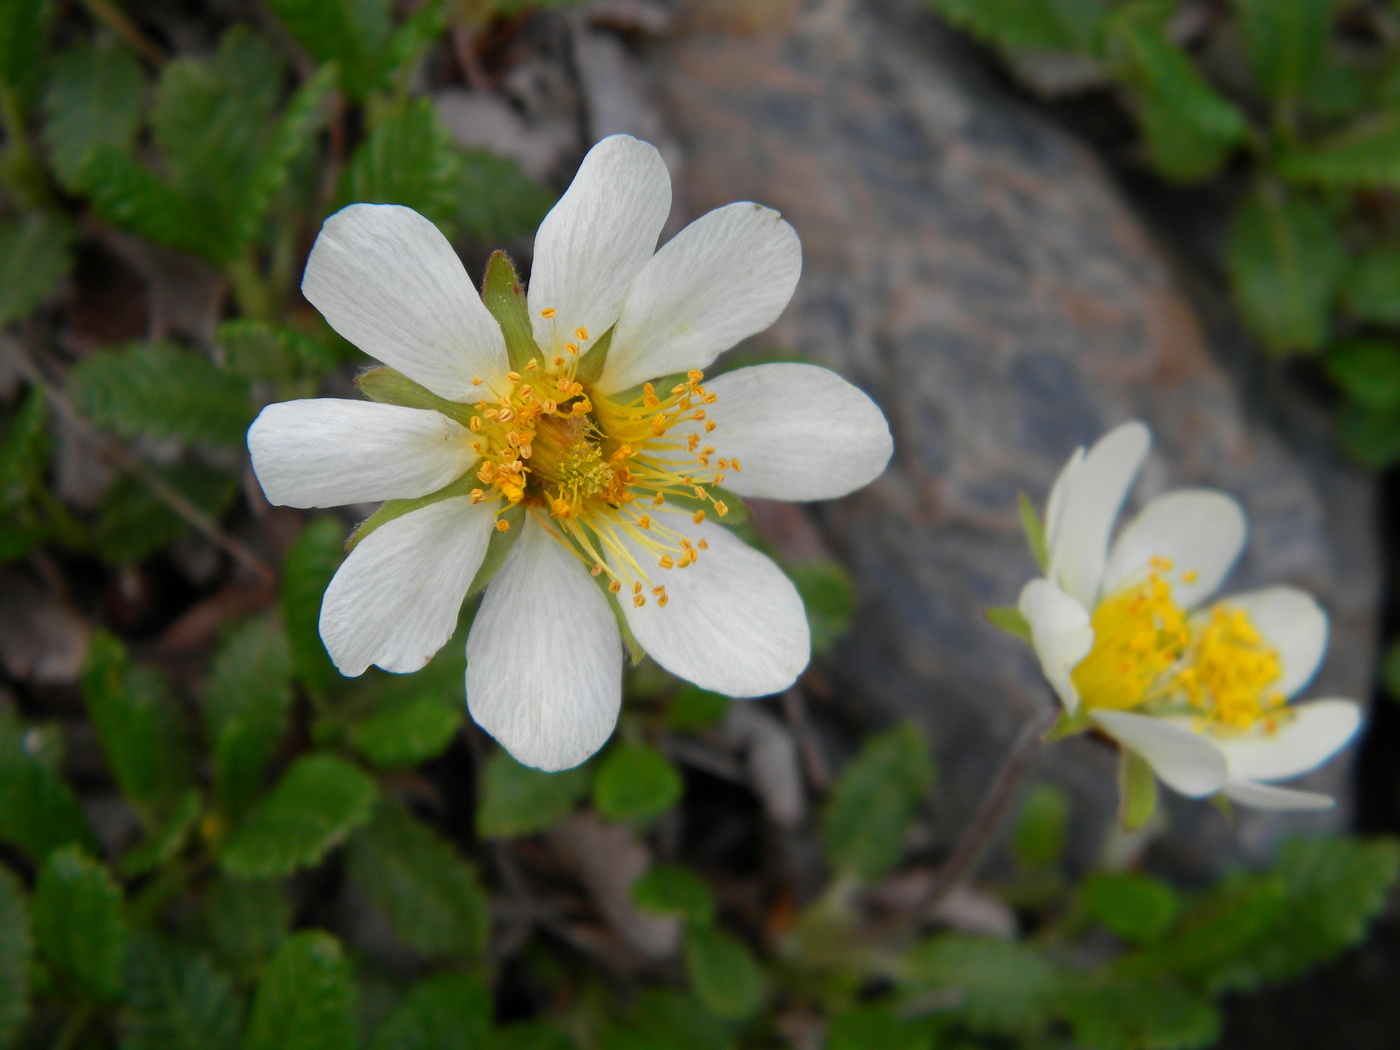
x=477, y=380
x=1190, y=576
x=548, y=312
x=615, y=586
x=698, y=517
x=666, y=562
x=709, y=425
x=502, y=525
x=704, y=544
x=514, y=377
x=721, y=508
x=1139, y=636
x=582, y=333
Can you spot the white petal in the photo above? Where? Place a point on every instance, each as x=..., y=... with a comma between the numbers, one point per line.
x=595, y=241
x=1095, y=494
x=1185, y=761
x=726, y=276
x=544, y=657
x=1266, y=796
x=388, y=281
x=322, y=452
x=1055, y=505
x=1200, y=530
x=1315, y=733
x=733, y=623
x=1294, y=624
x=395, y=600
x=798, y=431
x=1060, y=633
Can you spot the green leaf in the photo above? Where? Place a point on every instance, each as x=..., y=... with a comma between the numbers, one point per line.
x=430, y=895
x=1135, y=907
x=177, y=1000
x=1003, y=987
x=670, y=889
x=16, y=957
x=1011, y=620
x=503, y=296
x=167, y=840
x=93, y=102
x=38, y=811
x=128, y=195
x=354, y=34
x=722, y=972
x=635, y=783
x=141, y=728
x=518, y=800
x=320, y=801
x=869, y=1027
x=34, y=260
x=79, y=925
x=1137, y=791
x=306, y=999
x=260, y=350
x=1140, y=1016
x=1371, y=436
x=1038, y=836
x=680, y=1019
x=1034, y=529
x=161, y=390
x=132, y=521
x=24, y=452
x=408, y=159
x=496, y=201
x=247, y=709
x=1366, y=155
x=1367, y=370
x=1054, y=25
x=245, y=921
x=23, y=41
x=1286, y=262
x=829, y=595
x=306, y=573
x=693, y=709
x=408, y=734
x=1284, y=42
x=531, y=1035
x=451, y=1011
x=1371, y=291
x=874, y=802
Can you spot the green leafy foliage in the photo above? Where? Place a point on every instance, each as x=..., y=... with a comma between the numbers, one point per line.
x=354, y=34
x=38, y=811
x=245, y=921
x=1367, y=370
x=722, y=972
x=176, y=999
x=93, y=102
x=518, y=800
x=1046, y=24
x=670, y=889
x=1367, y=155
x=635, y=783
x=874, y=802
x=866, y=1027
x=133, y=521
x=1136, y=907
x=306, y=572
x=166, y=840
x=1038, y=836
x=1141, y=1016
x=829, y=596
x=430, y=895
x=320, y=801
x=451, y=1011
x=80, y=925
x=496, y=201
x=1286, y=262
x=693, y=709
x=34, y=259
x=306, y=998
x=23, y=40
x=16, y=956
x=1285, y=42
x=408, y=734
x=408, y=159
x=259, y=350
x=1371, y=290
x=141, y=728
x=1002, y=987
x=161, y=390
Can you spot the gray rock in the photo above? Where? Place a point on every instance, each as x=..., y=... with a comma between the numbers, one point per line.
x=976, y=271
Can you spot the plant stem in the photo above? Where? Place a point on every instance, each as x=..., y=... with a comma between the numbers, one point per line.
x=976, y=837
x=115, y=19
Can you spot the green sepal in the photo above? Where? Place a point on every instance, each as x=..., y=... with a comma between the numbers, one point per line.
x=1010, y=619
x=397, y=508
x=738, y=512
x=1035, y=531
x=1227, y=809
x=1068, y=725
x=590, y=365
x=497, y=547
x=389, y=387
x=1137, y=791
x=635, y=653
x=505, y=299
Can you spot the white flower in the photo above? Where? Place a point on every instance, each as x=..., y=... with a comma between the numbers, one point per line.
x=1126, y=640
x=618, y=482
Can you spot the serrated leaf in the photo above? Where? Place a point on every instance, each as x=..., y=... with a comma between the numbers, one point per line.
x=1285, y=261
x=722, y=972
x=247, y=709
x=125, y=193
x=868, y=1027
x=1003, y=987
x=176, y=999
x=93, y=102
x=132, y=521
x=23, y=41
x=24, y=451
x=306, y=572
x=260, y=350
x=635, y=783
x=828, y=594
x=1366, y=155
x=1038, y=836
x=1284, y=42
x=451, y=1011
x=141, y=728
x=38, y=811
x=408, y=159
x=408, y=734
x=670, y=889
x=79, y=925
x=319, y=802
x=1136, y=907
x=1053, y=25
x=518, y=800
x=354, y=34
x=34, y=260
x=1140, y=1016
x=874, y=801
x=1371, y=290
x=16, y=956
x=161, y=390
x=306, y=999
x=1367, y=370
x=245, y=921
x=505, y=299
x=430, y=895
x=496, y=201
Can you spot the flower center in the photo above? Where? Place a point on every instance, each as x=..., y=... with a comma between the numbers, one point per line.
x=609, y=478
x=1149, y=655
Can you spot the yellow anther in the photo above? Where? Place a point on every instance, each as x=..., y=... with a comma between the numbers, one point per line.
x=514, y=377
x=679, y=388
x=644, y=522
x=502, y=525
x=570, y=348
x=525, y=390
x=662, y=600
x=637, y=587
x=478, y=495
x=704, y=544
x=709, y=426
x=721, y=508
x=695, y=375
x=597, y=569
x=532, y=366
x=582, y=333
x=548, y=312
x=638, y=600
x=614, y=586
x=1190, y=576
x=659, y=590
x=699, y=413
x=658, y=500
x=475, y=423
x=735, y=464
x=549, y=407
x=558, y=362
x=666, y=562
x=698, y=517
x=477, y=380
